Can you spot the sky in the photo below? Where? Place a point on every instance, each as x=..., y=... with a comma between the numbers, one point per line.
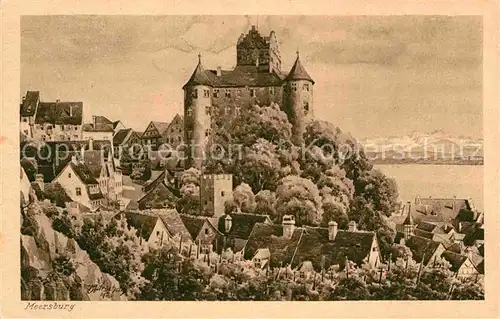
x=375, y=75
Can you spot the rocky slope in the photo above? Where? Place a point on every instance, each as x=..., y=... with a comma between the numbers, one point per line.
x=53, y=267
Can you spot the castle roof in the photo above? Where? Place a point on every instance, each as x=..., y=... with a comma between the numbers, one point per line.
x=59, y=113
x=199, y=77
x=298, y=72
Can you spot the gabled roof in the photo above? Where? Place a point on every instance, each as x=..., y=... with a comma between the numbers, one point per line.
x=144, y=223
x=242, y=224
x=271, y=237
x=70, y=113
x=122, y=136
x=193, y=224
x=298, y=72
x=438, y=209
x=90, y=127
x=161, y=126
x=94, y=160
x=409, y=219
x=456, y=260
x=173, y=222
x=422, y=248
x=115, y=124
x=28, y=107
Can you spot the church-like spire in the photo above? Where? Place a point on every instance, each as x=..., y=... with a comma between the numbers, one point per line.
x=298, y=72
x=199, y=76
x=409, y=217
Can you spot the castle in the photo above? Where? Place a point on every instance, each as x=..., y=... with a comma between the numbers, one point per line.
x=256, y=79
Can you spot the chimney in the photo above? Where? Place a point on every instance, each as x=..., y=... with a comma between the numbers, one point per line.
x=417, y=200
x=39, y=181
x=91, y=144
x=73, y=159
x=228, y=223
x=332, y=230
x=352, y=226
x=219, y=71
x=94, y=120
x=288, y=226
x=459, y=227
x=82, y=153
x=71, y=111
x=257, y=62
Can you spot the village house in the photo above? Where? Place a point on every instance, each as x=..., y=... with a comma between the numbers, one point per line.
x=123, y=139
x=79, y=183
x=50, y=121
x=460, y=264
x=100, y=129
x=157, y=227
x=174, y=134
x=159, y=193
x=118, y=126
x=153, y=135
x=204, y=232
x=291, y=246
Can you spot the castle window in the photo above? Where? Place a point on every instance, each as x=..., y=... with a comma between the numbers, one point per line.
x=43, y=137
x=271, y=90
x=237, y=110
x=189, y=111
x=78, y=191
x=216, y=92
x=294, y=86
x=222, y=193
x=207, y=110
x=195, y=93
x=206, y=93
x=25, y=120
x=306, y=87
x=69, y=175
x=227, y=93
x=252, y=93
x=207, y=132
x=306, y=107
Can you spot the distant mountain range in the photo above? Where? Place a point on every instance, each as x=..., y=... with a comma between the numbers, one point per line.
x=437, y=147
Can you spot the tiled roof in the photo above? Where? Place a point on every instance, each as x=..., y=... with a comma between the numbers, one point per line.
x=158, y=180
x=466, y=215
x=28, y=107
x=242, y=224
x=89, y=127
x=477, y=233
x=161, y=126
x=84, y=173
x=121, y=135
x=144, y=223
x=94, y=160
x=420, y=246
x=480, y=268
x=245, y=75
x=115, y=124
x=425, y=226
x=481, y=250
x=271, y=237
x=173, y=222
x=161, y=192
x=193, y=224
x=456, y=260
x=59, y=113
x=456, y=248
x=199, y=77
x=438, y=209
x=298, y=72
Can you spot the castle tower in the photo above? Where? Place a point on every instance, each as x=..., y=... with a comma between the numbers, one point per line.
x=298, y=99
x=408, y=224
x=197, y=114
x=215, y=190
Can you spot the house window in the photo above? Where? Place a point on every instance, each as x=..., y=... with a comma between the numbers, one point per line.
x=222, y=193
x=227, y=93
x=157, y=233
x=26, y=132
x=207, y=231
x=294, y=86
x=62, y=127
x=216, y=92
x=179, y=138
x=207, y=110
x=237, y=110
x=306, y=87
x=43, y=137
x=271, y=90
x=238, y=92
x=69, y=175
x=78, y=191
x=25, y=120
x=61, y=137
x=76, y=127
x=207, y=132
x=206, y=93
x=252, y=93
x=195, y=93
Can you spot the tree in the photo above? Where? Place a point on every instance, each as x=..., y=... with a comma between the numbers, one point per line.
x=299, y=197
x=381, y=192
x=265, y=203
x=468, y=289
x=30, y=167
x=190, y=176
x=244, y=198
x=350, y=288
x=56, y=194
x=334, y=211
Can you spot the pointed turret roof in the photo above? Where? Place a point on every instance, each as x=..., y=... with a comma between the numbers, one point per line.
x=298, y=72
x=199, y=76
x=409, y=217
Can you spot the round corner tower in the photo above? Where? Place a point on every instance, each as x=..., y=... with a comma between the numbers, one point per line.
x=298, y=99
x=197, y=114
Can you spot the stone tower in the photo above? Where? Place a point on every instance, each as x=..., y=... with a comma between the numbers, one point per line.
x=215, y=190
x=253, y=49
x=298, y=99
x=197, y=114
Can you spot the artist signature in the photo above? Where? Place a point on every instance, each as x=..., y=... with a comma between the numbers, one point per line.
x=105, y=289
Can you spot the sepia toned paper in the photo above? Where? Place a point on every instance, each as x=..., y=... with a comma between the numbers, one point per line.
x=436, y=76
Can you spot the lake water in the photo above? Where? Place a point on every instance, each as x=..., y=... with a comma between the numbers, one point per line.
x=462, y=181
